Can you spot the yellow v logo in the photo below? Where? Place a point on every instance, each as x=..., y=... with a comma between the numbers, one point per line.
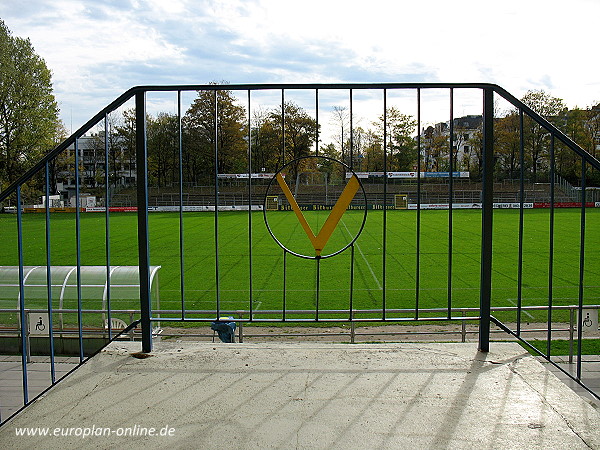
x=320, y=240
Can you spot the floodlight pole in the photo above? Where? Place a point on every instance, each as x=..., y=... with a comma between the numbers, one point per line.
x=142, y=214
x=485, y=288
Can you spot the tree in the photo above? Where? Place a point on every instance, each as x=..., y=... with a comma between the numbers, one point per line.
x=124, y=152
x=357, y=149
x=536, y=137
x=115, y=145
x=341, y=119
x=269, y=144
x=299, y=131
x=435, y=146
x=202, y=135
x=163, y=149
x=265, y=142
x=401, y=145
x=333, y=172
x=593, y=129
x=508, y=144
x=373, y=151
x=29, y=123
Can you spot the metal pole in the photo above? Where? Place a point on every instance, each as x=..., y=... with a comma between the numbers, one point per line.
x=49, y=277
x=450, y=201
x=317, y=122
x=521, y=220
x=23, y=319
x=551, y=249
x=250, y=273
x=142, y=213
x=571, y=332
x=581, y=270
x=485, y=292
x=216, y=156
x=351, y=305
x=317, y=288
x=351, y=135
x=384, y=231
x=181, y=237
x=107, y=224
x=418, y=243
x=352, y=328
x=284, y=306
x=78, y=254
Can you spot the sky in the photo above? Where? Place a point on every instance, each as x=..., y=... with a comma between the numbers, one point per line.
x=97, y=49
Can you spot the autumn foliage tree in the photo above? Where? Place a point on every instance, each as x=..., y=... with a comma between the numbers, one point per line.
x=29, y=123
x=214, y=122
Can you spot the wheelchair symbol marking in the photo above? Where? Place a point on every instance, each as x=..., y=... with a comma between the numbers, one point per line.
x=587, y=322
x=40, y=325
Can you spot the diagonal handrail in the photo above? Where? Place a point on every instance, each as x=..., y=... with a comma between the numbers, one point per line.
x=65, y=144
x=548, y=126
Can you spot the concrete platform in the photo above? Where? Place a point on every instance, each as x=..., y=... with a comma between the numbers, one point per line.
x=310, y=396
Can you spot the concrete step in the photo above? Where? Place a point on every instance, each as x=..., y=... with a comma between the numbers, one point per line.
x=310, y=396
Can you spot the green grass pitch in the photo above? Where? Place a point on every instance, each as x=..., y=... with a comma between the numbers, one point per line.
x=235, y=289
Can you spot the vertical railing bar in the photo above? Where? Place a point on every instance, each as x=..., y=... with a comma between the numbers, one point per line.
x=107, y=223
x=49, y=276
x=521, y=221
x=282, y=127
x=385, y=181
x=284, y=306
x=450, y=203
x=282, y=164
x=581, y=268
x=317, y=121
x=418, y=243
x=216, y=154
x=24, y=330
x=351, y=282
x=487, y=215
x=351, y=134
x=318, y=288
x=142, y=216
x=551, y=245
x=571, y=328
x=250, y=285
x=181, y=230
x=78, y=256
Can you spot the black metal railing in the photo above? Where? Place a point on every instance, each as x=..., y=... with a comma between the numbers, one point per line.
x=39, y=179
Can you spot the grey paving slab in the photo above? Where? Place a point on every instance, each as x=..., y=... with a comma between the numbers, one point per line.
x=310, y=396
x=590, y=375
x=38, y=379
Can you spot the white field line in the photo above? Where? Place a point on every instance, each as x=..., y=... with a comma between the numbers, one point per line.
x=524, y=310
x=363, y=257
x=475, y=288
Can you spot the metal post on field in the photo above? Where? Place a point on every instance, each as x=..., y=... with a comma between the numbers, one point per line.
x=142, y=214
x=241, y=327
x=485, y=292
x=571, y=331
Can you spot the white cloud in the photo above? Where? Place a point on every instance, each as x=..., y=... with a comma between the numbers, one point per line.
x=97, y=49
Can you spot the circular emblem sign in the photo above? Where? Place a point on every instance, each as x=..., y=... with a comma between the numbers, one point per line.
x=315, y=207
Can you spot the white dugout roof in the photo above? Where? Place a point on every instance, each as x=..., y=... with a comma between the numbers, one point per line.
x=122, y=283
